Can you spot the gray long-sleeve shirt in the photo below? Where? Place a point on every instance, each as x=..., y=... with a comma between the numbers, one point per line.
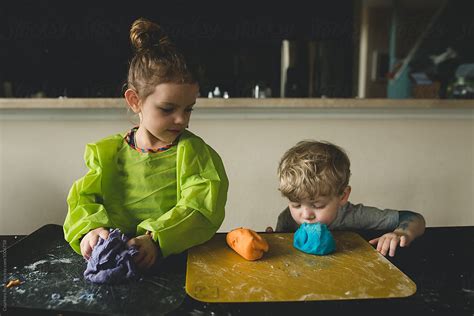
x=349, y=216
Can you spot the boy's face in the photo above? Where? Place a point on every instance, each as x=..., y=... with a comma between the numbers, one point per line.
x=321, y=210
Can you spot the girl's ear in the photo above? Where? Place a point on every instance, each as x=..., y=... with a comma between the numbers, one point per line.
x=133, y=100
x=345, y=196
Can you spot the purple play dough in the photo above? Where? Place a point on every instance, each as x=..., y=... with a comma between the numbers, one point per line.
x=111, y=260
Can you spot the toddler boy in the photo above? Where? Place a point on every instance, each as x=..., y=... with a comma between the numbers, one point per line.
x=314, y=176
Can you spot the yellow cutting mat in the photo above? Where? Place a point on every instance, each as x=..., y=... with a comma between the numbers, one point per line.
x=215, y=273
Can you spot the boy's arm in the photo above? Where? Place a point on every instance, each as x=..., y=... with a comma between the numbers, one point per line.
x=411, y=225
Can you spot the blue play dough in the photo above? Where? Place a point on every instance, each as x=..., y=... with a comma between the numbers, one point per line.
x=111, y=260
x=315, y=239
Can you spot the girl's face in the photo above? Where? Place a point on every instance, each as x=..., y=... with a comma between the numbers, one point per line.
x=165, y=113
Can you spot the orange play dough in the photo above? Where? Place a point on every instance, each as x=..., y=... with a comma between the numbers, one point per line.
x=13, y=283
x=247, y=243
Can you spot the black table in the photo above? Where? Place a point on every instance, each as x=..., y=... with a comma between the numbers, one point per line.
x=441, y=263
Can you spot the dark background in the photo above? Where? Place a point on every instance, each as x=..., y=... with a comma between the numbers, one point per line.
x=82, y=49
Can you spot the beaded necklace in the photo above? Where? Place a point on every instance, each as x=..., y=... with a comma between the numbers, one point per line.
x=132, y=142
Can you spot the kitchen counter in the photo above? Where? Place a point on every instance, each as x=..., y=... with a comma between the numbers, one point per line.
x=268, y=103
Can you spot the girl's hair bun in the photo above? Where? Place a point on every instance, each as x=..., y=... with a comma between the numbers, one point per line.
x=146, y=35
x=156, y=60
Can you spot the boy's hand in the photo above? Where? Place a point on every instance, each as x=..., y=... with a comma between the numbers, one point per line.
x=90, y=240
x=390, y=241
x=147, y=251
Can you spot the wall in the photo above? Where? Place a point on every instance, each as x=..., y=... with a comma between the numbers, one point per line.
x=420, y=160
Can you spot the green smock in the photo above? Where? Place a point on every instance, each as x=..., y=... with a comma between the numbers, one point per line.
x=178, y=194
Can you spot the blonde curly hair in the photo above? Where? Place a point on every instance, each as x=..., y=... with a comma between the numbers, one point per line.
x=313, y=169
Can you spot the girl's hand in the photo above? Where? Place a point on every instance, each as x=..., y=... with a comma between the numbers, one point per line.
x=390, y=241
x=90, y=240
x=147, y=251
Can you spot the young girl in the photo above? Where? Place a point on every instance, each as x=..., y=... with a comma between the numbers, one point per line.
x=158, y=182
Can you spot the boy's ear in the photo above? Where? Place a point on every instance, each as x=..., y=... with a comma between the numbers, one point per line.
x=133, y=100
x=345, y=196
